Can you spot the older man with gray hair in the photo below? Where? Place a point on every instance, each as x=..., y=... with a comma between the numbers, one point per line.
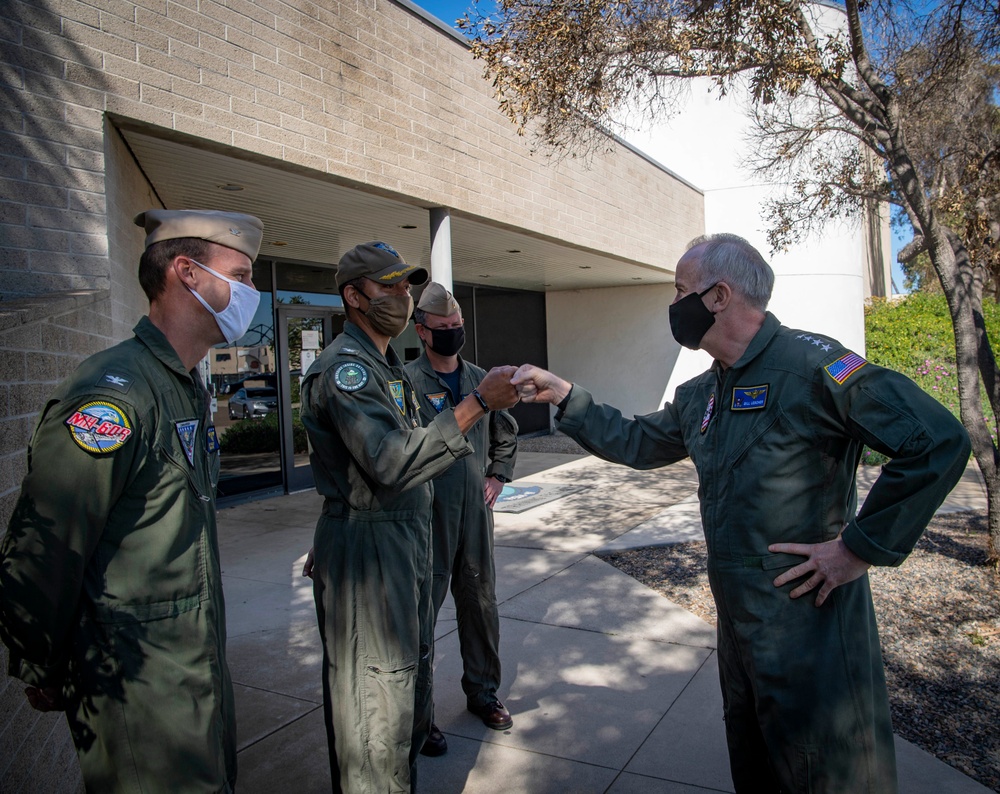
x=776, y=429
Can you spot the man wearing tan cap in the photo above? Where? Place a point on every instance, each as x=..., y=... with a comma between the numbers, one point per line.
x=371, y=562
x=110, y=591
x=464, y=496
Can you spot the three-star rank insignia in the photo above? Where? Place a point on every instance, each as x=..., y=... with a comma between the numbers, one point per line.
x=350, y=376
x=749, y=398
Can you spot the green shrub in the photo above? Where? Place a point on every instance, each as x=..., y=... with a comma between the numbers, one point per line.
x=915, y=336
x=260, y=435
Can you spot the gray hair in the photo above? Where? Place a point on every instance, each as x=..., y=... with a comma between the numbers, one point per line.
x=730, y=258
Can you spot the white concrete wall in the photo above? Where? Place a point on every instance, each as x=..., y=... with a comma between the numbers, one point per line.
x=614, y=342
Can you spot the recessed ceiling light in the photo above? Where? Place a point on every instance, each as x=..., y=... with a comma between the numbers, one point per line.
x=408, y=226
x=514, y=251
x=484, y=275
x=584, y=267
x=637, y=278
x=279, y=242
x=231, y=187
x=546, y=285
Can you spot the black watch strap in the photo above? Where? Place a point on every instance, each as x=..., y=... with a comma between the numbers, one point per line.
x=480, y=400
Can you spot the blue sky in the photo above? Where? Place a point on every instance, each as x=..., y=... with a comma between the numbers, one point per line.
x=450, y=10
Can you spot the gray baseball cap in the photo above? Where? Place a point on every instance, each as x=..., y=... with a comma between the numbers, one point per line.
x=380, y=262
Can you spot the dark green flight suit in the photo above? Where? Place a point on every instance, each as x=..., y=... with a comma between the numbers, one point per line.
x=372, y=578
x=776, y=440
x=463, y=527
x=110, y=585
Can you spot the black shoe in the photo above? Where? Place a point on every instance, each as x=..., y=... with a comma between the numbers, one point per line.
x=435, y=744
x=493, y=714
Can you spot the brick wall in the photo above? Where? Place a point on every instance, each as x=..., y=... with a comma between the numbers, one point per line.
x=362, y=90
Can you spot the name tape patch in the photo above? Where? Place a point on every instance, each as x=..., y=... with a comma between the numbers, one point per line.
x=750, y=398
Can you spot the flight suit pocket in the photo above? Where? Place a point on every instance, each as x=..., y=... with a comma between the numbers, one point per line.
x=390, y=695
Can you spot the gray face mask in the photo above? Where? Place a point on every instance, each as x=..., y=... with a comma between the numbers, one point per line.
x=389, y=314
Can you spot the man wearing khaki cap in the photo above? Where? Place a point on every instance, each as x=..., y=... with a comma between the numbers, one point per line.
x=110, y=590
x=371, y=561
x=464, y=496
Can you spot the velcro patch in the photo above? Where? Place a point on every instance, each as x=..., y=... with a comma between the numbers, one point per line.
x=350, y=376
x=439, y=400
x=749, y=398
x=845, y=366
x=396, y=391
x=115, y=380
x=100, y=427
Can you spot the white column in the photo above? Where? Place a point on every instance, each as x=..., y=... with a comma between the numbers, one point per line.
x=441, y=247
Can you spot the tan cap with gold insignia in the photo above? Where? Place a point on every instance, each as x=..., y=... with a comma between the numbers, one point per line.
x=435, y=299
x=380, y=262
x=231, y=229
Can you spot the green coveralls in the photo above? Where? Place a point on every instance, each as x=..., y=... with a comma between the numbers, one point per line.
x=463, y=527
x=110, y=585
x=372, y=578
x=776, y=440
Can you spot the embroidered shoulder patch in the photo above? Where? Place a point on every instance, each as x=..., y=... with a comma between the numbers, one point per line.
x=749, y=398
x=100, y=427
x=709, y=410
x=438, y=401
x=845, y=366
x=350, y=376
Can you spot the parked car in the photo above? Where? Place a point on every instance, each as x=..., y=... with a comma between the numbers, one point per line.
x=253, y=402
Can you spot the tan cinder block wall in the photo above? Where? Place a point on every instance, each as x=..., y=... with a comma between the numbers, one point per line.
x=366, y=91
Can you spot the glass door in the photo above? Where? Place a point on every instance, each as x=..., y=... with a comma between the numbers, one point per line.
x=303, y=332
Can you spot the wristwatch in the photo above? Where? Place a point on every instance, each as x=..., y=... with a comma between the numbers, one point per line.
x=501, y=478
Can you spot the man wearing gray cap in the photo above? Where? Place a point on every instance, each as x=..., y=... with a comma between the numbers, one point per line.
x=371, y=561
x=110, y=590
x=464, y=496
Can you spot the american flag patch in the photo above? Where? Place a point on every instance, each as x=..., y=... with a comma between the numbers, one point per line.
x=845, y=366
x=708, y=413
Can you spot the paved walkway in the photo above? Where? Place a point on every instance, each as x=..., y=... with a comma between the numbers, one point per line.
x=612, y=687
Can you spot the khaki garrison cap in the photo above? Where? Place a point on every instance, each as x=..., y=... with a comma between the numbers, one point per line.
x=436, y=300
x=231, y=229
x=379, y=262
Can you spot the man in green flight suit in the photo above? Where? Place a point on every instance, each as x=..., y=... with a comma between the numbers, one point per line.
x=110, y=591
x=775, y=429
x=463, y=506
x=371, y=559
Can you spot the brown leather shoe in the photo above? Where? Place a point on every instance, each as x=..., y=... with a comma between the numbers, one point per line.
x=435, y=744
x=493, y=714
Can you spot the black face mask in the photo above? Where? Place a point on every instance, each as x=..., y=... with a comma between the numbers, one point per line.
x=690, y=319
x=447, y=341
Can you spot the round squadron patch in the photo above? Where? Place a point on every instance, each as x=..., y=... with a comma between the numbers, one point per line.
x=99, y=427
x=350, y=376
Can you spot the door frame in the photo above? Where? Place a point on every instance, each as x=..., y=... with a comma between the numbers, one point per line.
x=302, y=479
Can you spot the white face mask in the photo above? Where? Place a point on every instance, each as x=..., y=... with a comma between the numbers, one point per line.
x=235, y=319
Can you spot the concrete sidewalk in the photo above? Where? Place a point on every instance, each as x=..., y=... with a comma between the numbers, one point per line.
x=612, y=687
